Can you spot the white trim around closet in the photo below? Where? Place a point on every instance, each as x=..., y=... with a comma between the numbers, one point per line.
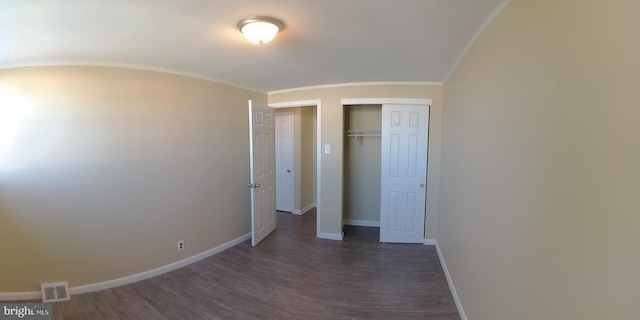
x=361, y=101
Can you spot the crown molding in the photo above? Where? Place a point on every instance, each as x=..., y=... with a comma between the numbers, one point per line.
x=105, y=64
x=356, y=84
x=494, y=14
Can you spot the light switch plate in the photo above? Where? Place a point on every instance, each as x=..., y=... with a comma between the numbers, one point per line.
x=327, y=148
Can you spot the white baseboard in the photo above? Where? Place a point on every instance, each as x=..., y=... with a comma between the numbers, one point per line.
x=456, y=299
x=304, y=210
x=30, y=295
x=309, y=207
x=362, y=223
x=330, y=236
x=429, y=242
x=8, y=296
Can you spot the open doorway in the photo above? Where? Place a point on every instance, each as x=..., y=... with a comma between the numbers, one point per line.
x=296, y=159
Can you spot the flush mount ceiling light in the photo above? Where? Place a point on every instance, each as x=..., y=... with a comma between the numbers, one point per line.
x=260, y=29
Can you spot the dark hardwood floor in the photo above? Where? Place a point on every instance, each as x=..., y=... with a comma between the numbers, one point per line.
x=290, y=275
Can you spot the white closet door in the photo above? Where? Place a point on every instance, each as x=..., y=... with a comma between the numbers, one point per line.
x=404, y=173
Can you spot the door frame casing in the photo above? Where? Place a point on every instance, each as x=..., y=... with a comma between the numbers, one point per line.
x=409, y=101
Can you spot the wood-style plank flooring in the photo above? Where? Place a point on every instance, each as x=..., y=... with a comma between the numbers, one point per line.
x=290, y=275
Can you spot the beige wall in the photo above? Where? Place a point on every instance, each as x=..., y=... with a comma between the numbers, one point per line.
x=362, y=164
x=540, y=207
x=331, y=121
x=103, y=170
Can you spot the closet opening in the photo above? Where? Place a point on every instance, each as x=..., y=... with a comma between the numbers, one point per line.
x=362, y=167
x=385, y=168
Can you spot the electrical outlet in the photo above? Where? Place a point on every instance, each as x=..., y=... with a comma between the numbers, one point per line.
x=180, y=245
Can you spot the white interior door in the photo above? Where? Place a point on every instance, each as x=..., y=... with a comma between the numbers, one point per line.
x=404, y=173
x=284, y=161
x=263, y=179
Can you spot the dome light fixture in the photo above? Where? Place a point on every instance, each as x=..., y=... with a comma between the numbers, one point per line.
x=260, y=29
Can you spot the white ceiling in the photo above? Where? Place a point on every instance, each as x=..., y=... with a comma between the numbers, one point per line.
x=324, y=41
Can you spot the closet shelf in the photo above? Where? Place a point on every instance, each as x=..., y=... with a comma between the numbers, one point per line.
x=363, y=133
x=359, y=134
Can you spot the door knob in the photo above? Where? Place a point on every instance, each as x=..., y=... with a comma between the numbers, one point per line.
x=288, y=170
x=422, y=185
